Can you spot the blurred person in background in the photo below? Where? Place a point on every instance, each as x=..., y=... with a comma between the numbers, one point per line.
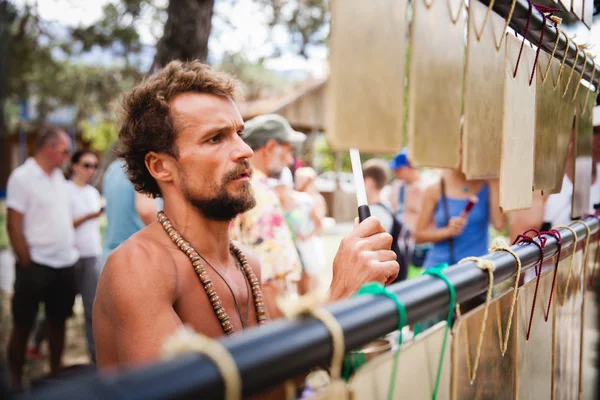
x=85, y=207
x=406, y=199
x=305, y=182
x=375, y=175
x=301, y=216
x=557, y=208
x=457, y=234
x=263, y=229
x=127, y=211
x=42, y=236
x=84, y=201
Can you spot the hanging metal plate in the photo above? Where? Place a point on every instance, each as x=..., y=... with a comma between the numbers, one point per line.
x=365, y=100
x=436, y=83
x=516, y=169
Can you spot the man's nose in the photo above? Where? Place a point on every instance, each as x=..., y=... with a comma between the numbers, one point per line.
x=242, y=151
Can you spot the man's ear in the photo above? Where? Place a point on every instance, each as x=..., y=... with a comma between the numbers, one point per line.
x=270, y=145
x=161, y=166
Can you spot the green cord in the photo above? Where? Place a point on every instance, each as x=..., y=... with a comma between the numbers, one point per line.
x=438, y=273
x=376, y=288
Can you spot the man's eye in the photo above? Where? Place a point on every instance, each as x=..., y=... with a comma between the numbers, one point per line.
x=215, y=139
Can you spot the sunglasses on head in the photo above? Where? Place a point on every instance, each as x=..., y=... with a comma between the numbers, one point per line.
x=89, y=165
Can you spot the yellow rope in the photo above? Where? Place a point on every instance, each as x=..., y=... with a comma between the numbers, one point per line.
x=581, y=337
x=587, y=96
x=310, y=304
x=563, y=61
x=585, y=56
x=487, y=14
x=500, y=245
x=508, y=19
x=545, y=74
x=564, y=297
x=572, y=69
x=185, y=340
x=585, y=252
x=460, y=8
x=488, y=266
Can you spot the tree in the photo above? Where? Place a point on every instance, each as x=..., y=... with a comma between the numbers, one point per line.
x=186, y=32
x=41, y=62
x=307, y=21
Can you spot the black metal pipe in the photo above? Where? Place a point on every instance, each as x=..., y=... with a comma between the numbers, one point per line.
x=269, y=355
x=536, y=24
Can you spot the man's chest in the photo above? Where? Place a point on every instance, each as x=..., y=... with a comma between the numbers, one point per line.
x=205, y=307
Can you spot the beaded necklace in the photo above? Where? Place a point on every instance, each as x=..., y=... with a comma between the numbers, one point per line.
x=209, y=288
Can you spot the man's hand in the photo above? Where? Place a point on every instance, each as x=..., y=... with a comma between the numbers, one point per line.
x=14, y=225
x=87, y=217
x=364, y=256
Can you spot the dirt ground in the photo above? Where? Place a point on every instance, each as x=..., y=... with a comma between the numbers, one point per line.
x=75, y=345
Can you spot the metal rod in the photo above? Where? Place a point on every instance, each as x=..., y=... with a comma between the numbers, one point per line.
x=284, y=349
x=518, y=22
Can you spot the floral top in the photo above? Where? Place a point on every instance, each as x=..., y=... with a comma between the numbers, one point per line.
x=265, y=232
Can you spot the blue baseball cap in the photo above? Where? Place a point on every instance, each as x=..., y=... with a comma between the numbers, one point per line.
x=401, y=160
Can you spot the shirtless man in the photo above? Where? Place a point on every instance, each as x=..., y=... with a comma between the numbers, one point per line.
x=181, y=139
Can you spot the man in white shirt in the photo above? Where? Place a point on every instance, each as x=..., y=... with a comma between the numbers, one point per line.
x=41, y=232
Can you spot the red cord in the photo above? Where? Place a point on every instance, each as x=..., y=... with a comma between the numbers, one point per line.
x=524, y=36
x=544, y=10
x=556, y=234
x=523, y=238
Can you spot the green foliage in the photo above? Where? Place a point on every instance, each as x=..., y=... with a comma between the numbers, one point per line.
x=116, y=30
x=45, y=68
x=307, y=21
x=100, y=136
x=258, y=81
x=325, y=157
x=3, y=232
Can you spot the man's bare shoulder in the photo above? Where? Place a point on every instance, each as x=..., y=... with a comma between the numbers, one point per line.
x=142, y=262
x=251, y=258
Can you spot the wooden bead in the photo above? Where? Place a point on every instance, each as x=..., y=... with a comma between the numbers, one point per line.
x=209, y=288
x=224, y=317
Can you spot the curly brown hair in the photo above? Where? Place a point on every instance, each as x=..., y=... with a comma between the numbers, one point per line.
x=146, y=123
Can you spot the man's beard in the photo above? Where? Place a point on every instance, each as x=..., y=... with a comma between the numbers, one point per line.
x=223, y=206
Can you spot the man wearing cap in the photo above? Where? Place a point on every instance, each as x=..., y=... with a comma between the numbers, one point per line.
x=406, y=197
x=263, y=228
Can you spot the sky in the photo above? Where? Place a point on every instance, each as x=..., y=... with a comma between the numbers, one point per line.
x=247, y=32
